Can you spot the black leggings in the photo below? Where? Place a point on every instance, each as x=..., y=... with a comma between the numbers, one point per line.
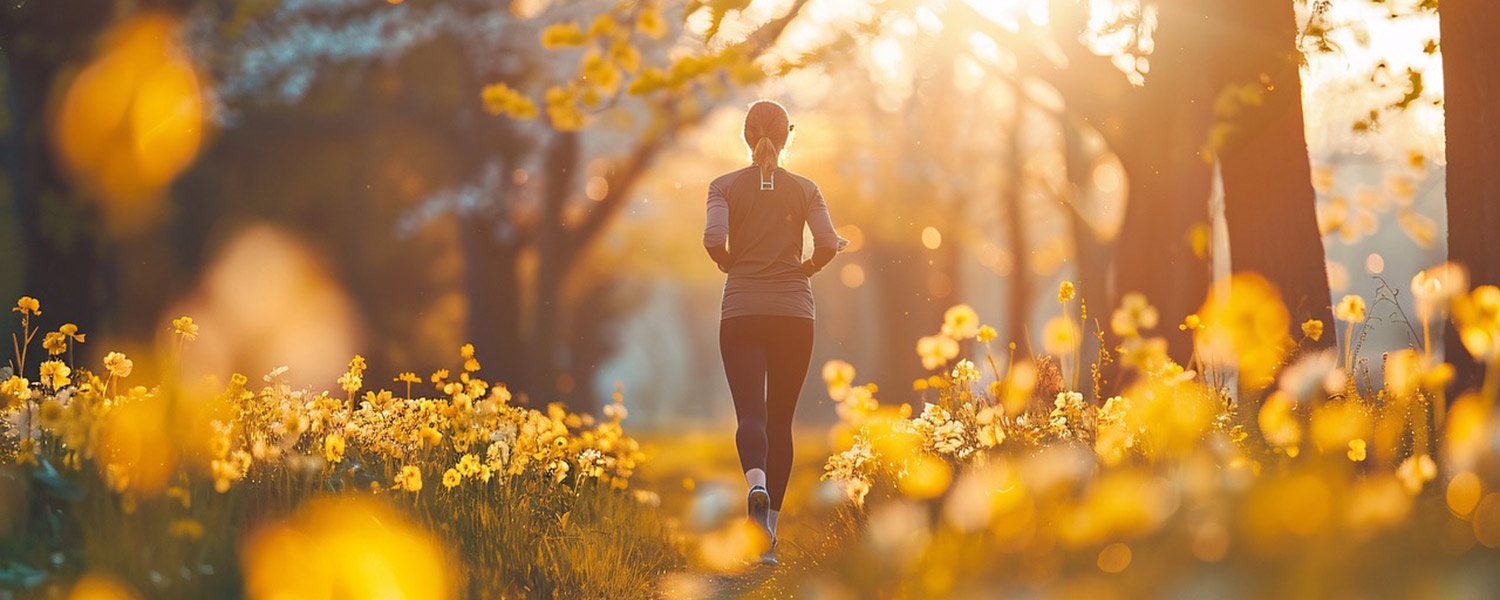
x=765, y=359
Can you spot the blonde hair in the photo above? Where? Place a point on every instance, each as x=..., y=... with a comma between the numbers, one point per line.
x=766, y=129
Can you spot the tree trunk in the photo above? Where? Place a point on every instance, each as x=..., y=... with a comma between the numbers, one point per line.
x=1157, y=130
x=1169, y=180
x=62, y=262
x=1269, y=201
x=555, y=262
x=1472, y=104
x=492, y=284
x=1018, y=306
x=1090, y=254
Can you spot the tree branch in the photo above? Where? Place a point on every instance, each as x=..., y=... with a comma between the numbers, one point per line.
x=624, y=180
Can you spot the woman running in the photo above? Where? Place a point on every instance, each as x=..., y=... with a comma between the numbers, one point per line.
x=754, y=233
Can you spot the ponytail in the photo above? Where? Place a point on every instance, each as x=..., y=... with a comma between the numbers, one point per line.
x=765, y=156
x=766, y=131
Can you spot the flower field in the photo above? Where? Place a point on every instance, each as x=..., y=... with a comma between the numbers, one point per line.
x=1260, y=468
x=199, y=490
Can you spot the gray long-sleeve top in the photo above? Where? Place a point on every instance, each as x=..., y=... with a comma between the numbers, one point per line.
x=762, y=222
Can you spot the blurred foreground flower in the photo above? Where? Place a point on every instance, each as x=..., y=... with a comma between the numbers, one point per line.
x=345, y=548
x=1250, y=328
x=101, y=587
x=733, y=547
x=133, y=118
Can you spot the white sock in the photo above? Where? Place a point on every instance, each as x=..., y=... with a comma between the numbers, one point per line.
x=771, y=521
x=755, y=477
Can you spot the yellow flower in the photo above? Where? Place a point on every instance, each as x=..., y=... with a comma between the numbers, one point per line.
x=430, y=436
x=1065, y=292
x=408, y=377
x=1436, y=288
x=28, y=306
x=1060, y=336
x=598, y=71
x=1351, y=309
x=440, y=376
x=563, y=109
x=603, y=26
x=1143, y=354
x=936, y=350
x=55, y=343
x=1356, y=450
x=55, y=374
x=1477, y=315
x=651, y=22
x=1191, y=322
x=1408, y=372
x=1312, y=329
x=13, y=391
x=118, y=365
x=333, y=448
x=1278, y=423
x=562, y=35
x=409, y=479
x=839, y=376
x=1250, y=328
x=71, y=330
x=965, y=371
x=650, y=80
x=1415, y=472
x=1134, y=315
x=185, y=328
x=625, y=55
x=960, y=322
x=986, y=333
x=500, y=99
x=451, y=478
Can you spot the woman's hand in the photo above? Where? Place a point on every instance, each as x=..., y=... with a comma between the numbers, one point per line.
x=808, y=268
x=721, y=257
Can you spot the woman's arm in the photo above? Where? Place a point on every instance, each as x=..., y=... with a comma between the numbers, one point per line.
x=716, y=230
x=826, y=241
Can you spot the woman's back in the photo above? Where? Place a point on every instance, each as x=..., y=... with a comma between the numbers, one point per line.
x=762, y=221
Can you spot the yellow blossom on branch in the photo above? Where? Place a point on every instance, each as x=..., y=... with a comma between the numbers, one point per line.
x=563, y=109
x=563, y=35
x=651, y=23
x=500, y=99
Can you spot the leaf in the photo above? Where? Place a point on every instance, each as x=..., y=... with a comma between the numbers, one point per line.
x=55, y=484
x=21, y=575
